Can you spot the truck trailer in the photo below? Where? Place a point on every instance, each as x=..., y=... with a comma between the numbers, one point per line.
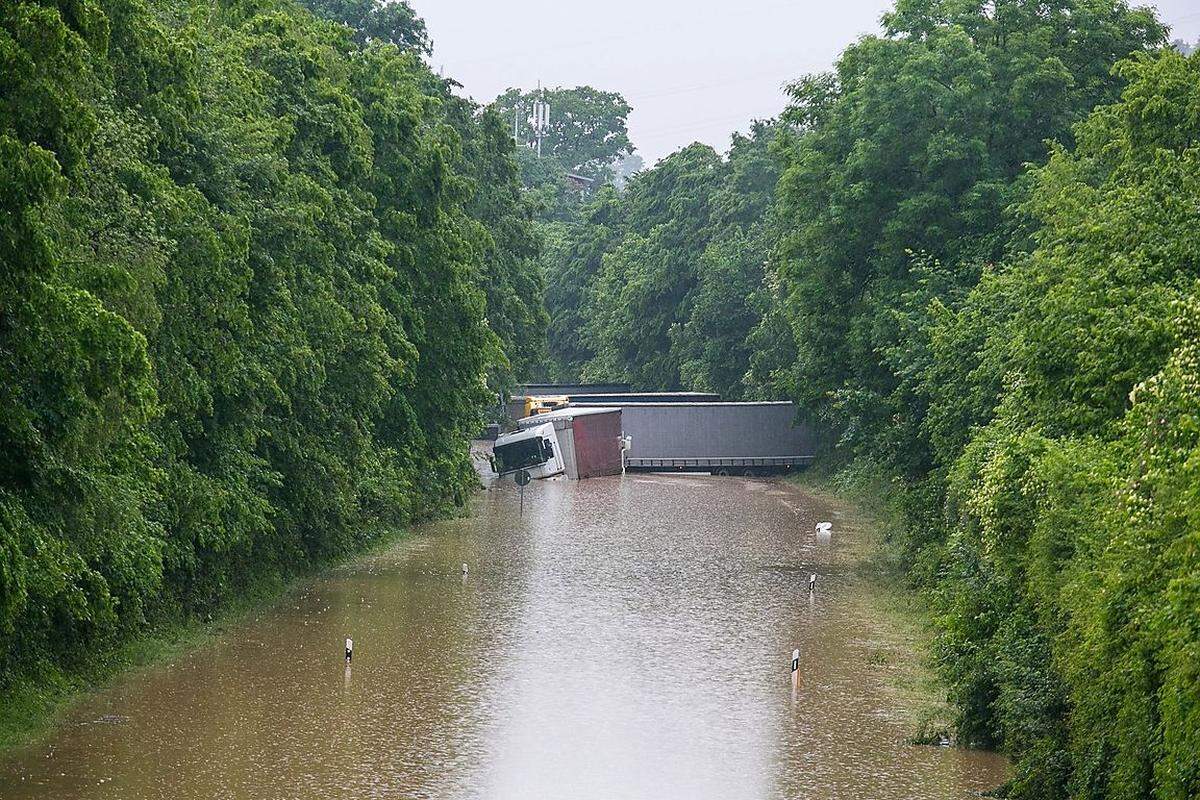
x=529, y=396
x=722, y=438
x=588, y=439
x=536, y=405
x=627, y=398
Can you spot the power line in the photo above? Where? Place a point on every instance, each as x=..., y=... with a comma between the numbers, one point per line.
x=696, y=87
x=657, y=133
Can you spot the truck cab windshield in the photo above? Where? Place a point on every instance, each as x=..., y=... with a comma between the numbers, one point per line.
x=522, y=454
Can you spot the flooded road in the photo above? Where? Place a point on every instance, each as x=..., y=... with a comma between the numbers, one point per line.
x=626, y=638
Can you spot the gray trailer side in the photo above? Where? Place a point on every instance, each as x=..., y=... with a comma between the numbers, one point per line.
x=723, y=438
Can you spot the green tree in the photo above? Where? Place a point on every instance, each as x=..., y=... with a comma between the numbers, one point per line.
x=915, y=144
x=77, y=393
x=256, y=272
x=510, y=243
x=661, y=284
x=386, y=21
x=645, y=282
x=713, y=344
x=573, y=260
x=587, y=136
x=587, y=133
x=1062, y=585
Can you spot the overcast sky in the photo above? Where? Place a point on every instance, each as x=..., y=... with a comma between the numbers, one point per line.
x=693, y=71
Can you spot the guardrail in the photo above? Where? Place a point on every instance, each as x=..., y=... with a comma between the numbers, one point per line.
x=678, y=463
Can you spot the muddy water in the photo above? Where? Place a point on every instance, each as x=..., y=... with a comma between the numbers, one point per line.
x=625, y=638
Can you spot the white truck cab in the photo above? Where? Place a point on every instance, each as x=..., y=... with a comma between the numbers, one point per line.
x=534, y=449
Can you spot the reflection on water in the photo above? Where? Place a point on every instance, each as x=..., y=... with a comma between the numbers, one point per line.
x=626, y=638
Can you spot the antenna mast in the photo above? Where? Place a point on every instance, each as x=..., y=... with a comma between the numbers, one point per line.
x=541, y=117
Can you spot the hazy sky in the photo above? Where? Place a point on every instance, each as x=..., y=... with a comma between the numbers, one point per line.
x=693, y=71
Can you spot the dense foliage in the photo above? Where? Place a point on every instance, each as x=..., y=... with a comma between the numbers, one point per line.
x=1068, y=557
x=658, y=285
x=915, y=144
x=586, y=137
x=387, y=21
x=257, y=268
x=981, y=270
x=586, y=133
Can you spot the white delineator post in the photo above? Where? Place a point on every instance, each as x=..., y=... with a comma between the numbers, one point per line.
x=795, y=665
x=349, y=650
x=812, y=583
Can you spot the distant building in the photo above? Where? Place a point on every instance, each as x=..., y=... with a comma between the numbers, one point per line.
x=580, y=182
x=625, y=168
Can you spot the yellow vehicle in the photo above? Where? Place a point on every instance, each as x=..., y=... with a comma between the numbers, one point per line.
x=541, y=404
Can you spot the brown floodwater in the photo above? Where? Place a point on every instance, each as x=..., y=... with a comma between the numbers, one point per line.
x=627, y=637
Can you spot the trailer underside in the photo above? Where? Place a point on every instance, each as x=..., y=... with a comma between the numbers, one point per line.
x=772, y=465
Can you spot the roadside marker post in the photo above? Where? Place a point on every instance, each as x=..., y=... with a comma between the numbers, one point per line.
x=349, y=650
x=796, y=665
x=812, y=583
x=522, y=478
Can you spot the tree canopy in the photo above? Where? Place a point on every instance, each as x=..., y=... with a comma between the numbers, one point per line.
x=386, y=21
x=257, y=271
x=587, y=133
x=1069, y=554
x=653, y=285
x=587, y=137
x=915, y=144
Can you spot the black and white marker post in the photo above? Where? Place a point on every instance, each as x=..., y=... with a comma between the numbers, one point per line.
x=812, y=583
x=795, y=665
x=522, y=478
x=349, y=651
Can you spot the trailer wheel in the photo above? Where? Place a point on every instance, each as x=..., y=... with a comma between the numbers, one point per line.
x=723, y=472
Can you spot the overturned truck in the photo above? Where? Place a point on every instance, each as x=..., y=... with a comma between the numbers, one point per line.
x=580, y=443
